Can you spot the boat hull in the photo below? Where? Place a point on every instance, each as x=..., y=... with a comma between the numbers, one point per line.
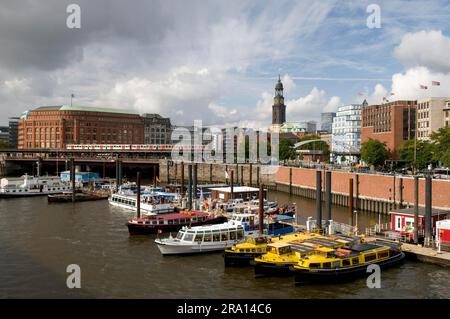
x=169, y=248
x=68, y=198
x=239, y=259
x=142, y=229
x=341, y=275
x=271, y=269
x=29, y=194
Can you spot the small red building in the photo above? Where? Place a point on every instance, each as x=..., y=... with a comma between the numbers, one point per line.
x=402, y=220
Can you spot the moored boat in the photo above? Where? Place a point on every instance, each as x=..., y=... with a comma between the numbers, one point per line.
x=172, y=222
x=32, y=186
x=346, y=264
x=282, y=255
x=241, y=254
x=66, y=197
x=151, y=204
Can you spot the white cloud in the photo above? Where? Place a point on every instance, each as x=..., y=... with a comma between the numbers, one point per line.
x=425, y=48
x=333, y=104
x=377, y=95
x=288, y=83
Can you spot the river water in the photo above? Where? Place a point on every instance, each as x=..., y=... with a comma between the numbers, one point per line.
x=38, y=241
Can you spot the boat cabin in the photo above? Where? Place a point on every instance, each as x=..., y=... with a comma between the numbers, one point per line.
x=402, y=221
x=214, y=233
x=243, y=192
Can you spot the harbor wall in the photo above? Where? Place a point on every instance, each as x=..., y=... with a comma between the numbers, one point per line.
x=371, y=192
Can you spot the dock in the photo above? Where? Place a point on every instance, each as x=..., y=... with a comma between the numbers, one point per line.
x=423, y=254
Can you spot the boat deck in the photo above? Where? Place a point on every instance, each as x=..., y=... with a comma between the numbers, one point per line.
x=424, y=254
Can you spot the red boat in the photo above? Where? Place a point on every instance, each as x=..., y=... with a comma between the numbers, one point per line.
x=172, y=222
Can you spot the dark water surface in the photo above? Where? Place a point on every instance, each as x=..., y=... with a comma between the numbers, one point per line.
x=38, y=241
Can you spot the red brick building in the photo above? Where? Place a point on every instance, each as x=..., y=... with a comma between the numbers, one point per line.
x=53, y=127
x=392, y=123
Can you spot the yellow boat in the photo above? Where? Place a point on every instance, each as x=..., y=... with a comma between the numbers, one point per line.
x=346, y=264
x=243, y=253
x=280, y=256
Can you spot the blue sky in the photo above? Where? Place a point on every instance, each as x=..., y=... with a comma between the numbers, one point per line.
x=218, y=61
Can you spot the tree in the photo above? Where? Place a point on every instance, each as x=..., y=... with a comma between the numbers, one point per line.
x=3, y=144
x=440, y=141
x=286, y=150
x=424, y=153
x=374, y=152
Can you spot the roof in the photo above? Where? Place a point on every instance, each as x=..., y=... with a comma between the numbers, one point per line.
x=236, y=189
x=85, y=109
x=410, y=211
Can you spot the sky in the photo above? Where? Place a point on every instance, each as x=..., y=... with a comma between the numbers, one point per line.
x=218, y=61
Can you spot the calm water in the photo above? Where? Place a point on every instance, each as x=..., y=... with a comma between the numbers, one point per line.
x=38, y=241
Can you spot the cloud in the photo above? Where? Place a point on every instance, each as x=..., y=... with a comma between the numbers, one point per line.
x=333, y=104
x=429, y=49
x=379, y=91
x=288, y=83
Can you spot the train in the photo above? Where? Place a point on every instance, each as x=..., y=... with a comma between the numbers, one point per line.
x=126, y=147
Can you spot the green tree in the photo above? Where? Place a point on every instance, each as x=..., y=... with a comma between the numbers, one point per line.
x=4, y=145
x=318, y=145
x=286, y=150
x=374, y=152
x=440, y=141
x=424, y=153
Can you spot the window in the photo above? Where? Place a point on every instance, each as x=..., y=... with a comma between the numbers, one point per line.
x=314, y=265
x=370, y=257
x=199, y=237
x=326, y=265
x=345, y=262
x=216, y=236
x=355, y=261
x=224, y=236
x=188, y=237
x=383, y=254
x=207, y=237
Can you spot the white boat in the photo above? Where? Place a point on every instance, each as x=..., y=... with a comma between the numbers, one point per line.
x=33, y=186
x=151, y=204
x=198, y=239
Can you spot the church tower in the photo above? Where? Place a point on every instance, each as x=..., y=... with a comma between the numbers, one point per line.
x=278, y=107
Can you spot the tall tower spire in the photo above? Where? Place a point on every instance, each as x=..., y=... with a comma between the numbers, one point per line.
x=278, y=108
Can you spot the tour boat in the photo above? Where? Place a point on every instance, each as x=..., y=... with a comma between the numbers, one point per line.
x=242, y=254
x=151, y=204
x=348, y=263
x=32, y=186
x=223, y=235
x=282, y=255
x=172, y=222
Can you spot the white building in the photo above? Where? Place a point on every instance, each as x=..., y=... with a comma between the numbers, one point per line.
x=346, y=134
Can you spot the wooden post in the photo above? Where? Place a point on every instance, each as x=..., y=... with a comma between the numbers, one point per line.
x=416, y=209
x=232, y=184
x=138, y=194
x=290, y=180
x=72, y=170
x=428, y=209
x=319, y=199
x=210, y=173
x=261, y=209
x=182, y=180
x=350, y=198
x=250, y=177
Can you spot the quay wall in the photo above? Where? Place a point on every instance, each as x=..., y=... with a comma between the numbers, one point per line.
x=372, y=192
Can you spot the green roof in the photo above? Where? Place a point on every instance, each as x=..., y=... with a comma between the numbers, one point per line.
x=85, y=109
x=95, y=109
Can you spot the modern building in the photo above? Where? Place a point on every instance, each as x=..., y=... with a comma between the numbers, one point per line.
x=305, y=127
x=391, y=123
x=447, y=114
x=13, y=131
x=278, y=108
x=346, y=134
x=53, y=127
x=157, y=129
x=326, y=123
x=431, y=116
x=4, y=134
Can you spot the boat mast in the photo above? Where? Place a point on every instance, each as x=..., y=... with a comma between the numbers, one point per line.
x=261, y=209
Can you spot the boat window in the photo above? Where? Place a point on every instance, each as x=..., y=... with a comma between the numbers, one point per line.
x=154, y=222
x=383, y=254
x=314, y=265
x=240, y=234
x=284, y=250
x=224, y=236
x=199, y=237
x=161, y=221
x=170, y=221
x=345, y=262
x=355, y=261
x=232, y=235
x=207, y=236
x=370, y=257
x=179, y=235
x=188, y=237
x=326, y=265
x=216, y=236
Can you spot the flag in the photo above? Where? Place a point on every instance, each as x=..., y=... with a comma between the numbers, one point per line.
x=226, y=175
x=423, y=87
x=435, y=83
x=392, y=93
x=360, y=94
